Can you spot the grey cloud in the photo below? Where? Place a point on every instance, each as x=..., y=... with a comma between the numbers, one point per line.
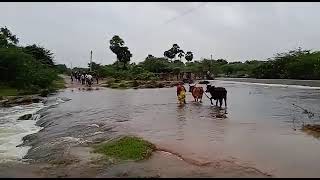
x=235, y=31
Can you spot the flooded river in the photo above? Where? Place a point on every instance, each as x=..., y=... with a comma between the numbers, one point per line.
x=258, y=131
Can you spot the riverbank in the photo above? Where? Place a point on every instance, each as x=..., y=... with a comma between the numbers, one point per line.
x=10, y=96
x=85, y=161
x=138, y=84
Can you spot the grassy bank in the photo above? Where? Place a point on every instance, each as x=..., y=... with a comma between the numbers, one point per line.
x=126, y=148
x=8, y=91
x=59, y=83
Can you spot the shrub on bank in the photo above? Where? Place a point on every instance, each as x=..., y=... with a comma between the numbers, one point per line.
x=22, y=71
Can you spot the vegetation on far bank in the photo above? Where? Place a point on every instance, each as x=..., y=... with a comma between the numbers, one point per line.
x=26, y=69
x=294, y=64
x=31, y=69
x=126, y=148
x=138, y=84
x=8, y=91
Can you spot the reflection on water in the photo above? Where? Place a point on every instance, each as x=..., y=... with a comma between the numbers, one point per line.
x=257, y=130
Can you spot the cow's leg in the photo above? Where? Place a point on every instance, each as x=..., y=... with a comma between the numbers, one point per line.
x=211, y=101
x=217, y=102
x=225, y=101
x=220, y=102
x=200, y=99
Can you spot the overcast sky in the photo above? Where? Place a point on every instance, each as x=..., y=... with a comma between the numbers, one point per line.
x=236, y=31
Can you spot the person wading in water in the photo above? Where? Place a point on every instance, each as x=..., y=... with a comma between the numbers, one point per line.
x=181, y=93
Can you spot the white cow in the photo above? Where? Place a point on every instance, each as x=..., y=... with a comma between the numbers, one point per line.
x=89, y=79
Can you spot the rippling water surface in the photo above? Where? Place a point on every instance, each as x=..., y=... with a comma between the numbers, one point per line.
x=258, y=130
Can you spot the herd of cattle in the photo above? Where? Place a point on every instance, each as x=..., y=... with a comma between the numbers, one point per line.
x=217, y=93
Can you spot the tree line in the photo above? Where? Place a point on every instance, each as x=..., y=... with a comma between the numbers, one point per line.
x=32, y=67
x=295, y=64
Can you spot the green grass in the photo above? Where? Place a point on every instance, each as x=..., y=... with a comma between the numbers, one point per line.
x=59, y=83
x=8, y=91
x=126, y=148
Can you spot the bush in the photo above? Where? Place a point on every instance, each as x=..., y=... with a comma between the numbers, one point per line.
x=146, y=76
x=22, y=71
x=126, y=148
x=122, y=85
x=135, y=83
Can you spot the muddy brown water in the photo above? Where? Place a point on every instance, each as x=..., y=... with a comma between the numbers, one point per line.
x=258, y=131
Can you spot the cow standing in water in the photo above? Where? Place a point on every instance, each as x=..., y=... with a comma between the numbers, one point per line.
x=217, y=93
x=197, y=93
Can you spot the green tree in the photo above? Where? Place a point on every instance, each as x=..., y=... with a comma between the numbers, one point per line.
x=189, y=56
x=62, y=69
x=181, y=54
x=41, y=54
x=122, y=52
x=7, y=39
x=94, y=66
x=169, y=54
x=222, y=61
x=156, y=65
x=23, y=71
x=173, y=51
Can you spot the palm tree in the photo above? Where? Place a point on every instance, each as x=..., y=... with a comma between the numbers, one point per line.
x=189, y=56
x=169, y=54
x=181, y=54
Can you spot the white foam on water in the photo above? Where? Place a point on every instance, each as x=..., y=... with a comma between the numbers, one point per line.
x=273, y=85
x=13, y=130
x=72, y=139
x=93, y=125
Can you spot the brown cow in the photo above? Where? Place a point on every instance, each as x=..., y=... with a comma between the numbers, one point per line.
x=197, y=93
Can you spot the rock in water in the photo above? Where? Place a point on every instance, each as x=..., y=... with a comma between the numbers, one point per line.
x=44, y=93
x=25, y=117
x=221, y=115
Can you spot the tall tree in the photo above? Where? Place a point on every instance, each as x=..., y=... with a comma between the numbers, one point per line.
x=7, y=39
x=150, y=56
x=169, y=54
x=189, y=56
x=180, y=54
x=122, y=52
x=172, y=52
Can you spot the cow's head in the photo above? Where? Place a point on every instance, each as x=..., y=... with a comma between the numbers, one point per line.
x=209, y=87
x=191, y=88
